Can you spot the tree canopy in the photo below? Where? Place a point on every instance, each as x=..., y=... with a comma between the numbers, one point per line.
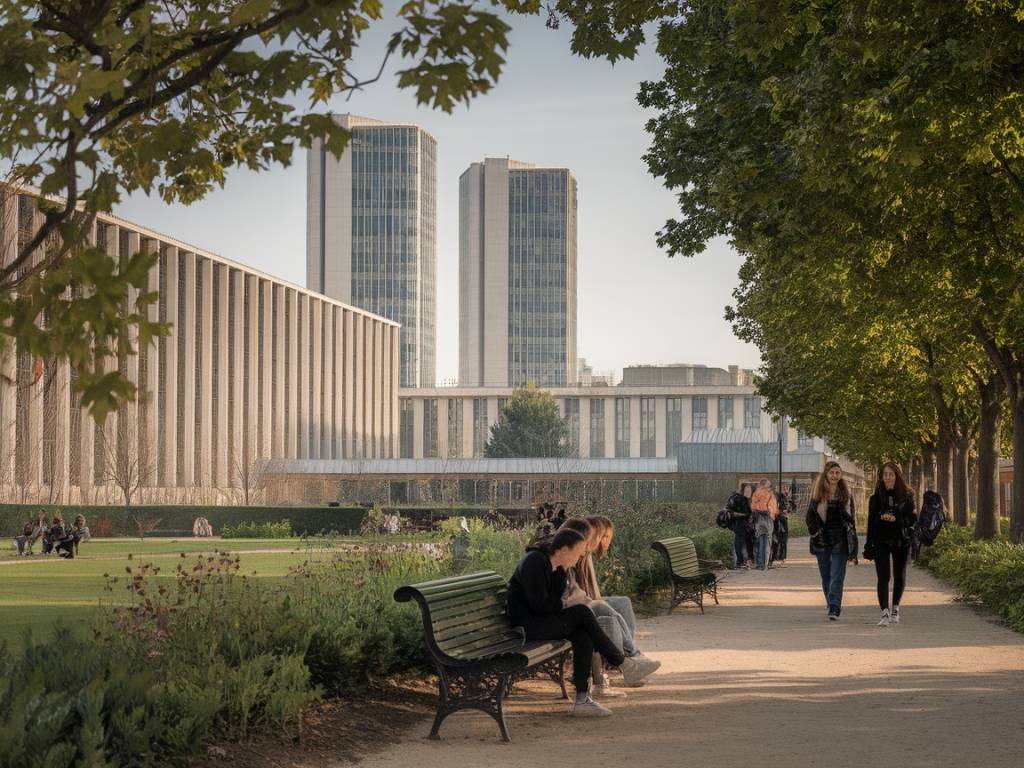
x=529, y=426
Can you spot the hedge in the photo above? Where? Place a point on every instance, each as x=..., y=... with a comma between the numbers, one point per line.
x=304, y=520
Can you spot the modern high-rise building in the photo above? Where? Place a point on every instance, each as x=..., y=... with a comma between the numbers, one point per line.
x=371, y=231
x=517, y=275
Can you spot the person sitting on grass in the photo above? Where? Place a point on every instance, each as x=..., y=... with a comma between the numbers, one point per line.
x=535, y=603
x=582, y=589
x=59, y=539
x=79, y=532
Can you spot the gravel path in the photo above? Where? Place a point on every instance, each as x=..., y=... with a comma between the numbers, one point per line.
x=764, y=678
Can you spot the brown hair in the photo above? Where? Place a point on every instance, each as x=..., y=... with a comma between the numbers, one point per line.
x=577, y=524
x=899, y=488
x=821, y=485
x=602, y=524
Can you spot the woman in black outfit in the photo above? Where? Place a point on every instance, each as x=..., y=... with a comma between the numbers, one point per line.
x=535, y=603
x=890, y=518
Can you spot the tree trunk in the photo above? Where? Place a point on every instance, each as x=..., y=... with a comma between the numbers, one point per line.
x=961, y=483
x=986, y=524
x=1017, y=491
x=927, y=469
x=944, y=473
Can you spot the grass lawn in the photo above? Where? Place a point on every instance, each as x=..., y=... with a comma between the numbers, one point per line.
x=37, y=591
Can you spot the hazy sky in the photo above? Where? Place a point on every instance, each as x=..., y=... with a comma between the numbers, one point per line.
x=636, y=305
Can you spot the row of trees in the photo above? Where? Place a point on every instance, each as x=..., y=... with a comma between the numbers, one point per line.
x=867, y=159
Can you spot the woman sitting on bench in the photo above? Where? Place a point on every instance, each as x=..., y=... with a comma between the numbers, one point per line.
x=535, y=603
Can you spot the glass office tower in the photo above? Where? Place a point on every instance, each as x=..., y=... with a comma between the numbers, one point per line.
x=372, y=232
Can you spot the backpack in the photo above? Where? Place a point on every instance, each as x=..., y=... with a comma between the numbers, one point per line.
x=929, y=522
x=724, y=519
x=736, y=502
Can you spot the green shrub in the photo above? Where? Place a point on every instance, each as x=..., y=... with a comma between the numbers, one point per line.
x=714, y=544
x=991, y=572
x=253, y=530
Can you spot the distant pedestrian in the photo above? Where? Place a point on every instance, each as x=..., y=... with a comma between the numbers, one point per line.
x=780, y=542
x=739, y=508
x=833, y=529
x=765, y=508
x=891, y=517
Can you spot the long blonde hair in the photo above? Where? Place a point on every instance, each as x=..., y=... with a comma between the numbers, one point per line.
x=821, y=485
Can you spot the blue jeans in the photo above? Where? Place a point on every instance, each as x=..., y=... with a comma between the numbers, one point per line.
x=740, y=545
x=764, y=545
x=832, y=567
x=624, y=606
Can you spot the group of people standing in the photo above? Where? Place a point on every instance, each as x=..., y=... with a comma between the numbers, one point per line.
x=759, y=519
x=554, y=595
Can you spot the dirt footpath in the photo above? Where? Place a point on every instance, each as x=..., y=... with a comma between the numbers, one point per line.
x=765, y=677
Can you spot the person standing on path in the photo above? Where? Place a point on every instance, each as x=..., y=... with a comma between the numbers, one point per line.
x=739, y=509
x=781, y=539
x=890, y=518
x=833, y=529
x=765, y=508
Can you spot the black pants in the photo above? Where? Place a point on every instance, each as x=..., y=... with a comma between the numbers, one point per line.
x=897, y=570
x=577, y=625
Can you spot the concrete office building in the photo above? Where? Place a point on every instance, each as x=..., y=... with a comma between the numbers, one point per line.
x=371, y=232
x=517, y=275
x=253, y=368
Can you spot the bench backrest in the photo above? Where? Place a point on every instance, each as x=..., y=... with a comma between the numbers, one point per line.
x=681, y=554
x=464, y=617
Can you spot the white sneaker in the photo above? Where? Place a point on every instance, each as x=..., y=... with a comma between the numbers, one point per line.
x=885, y=618
x=589, y=708
x=635, y=669
x=896, y=615
x=608, y=691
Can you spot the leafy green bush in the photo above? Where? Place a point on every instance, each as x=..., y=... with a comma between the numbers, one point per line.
x=991, y=572
x=714, y=544
x=253, y=530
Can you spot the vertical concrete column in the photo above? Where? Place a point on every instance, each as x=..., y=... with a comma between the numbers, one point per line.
x=442, y=427
x=32, y=394
x=280, y=429
x=609, y=427
x=467, y=427
x=169, y=406
x=492, y=414
x=316, y=310
x=338, y=354
x=712, y=401
x=305, y=368
x=236, y=448
x=385, y=392
x=737, y=411
x=380, y=388
x=130, y=410
x=8, y=353
x=584, y=427
x=687, y=416
x=359, y=362
x=222, y=471
x=61, y=467
x=417, y=428
x=393, y=395
x=204, y=401
x=188, y=367
x=107, y=450
x=634, y=427
x=349, y=400
x=252, y=335
x=327, y=431
x=292, y=374
x=660, y=426
x=151, y=402
x=266, y=370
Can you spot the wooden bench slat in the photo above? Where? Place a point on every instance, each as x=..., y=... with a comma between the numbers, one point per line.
x=480, y=624
x=464, y=614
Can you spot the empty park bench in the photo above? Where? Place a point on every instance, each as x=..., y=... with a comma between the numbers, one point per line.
x=477, y=651
x=691, y=578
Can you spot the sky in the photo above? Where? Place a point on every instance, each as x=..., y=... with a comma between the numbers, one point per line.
x=636, y=305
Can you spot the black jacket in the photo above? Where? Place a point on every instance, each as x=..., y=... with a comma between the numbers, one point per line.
x=534, y=588
x=816, y=529
x=892, y=534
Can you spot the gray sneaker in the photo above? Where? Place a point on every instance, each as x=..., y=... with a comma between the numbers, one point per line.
x=589, y=708
x=635, y=669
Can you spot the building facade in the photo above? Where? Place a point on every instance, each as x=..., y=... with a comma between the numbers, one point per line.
x=517, y=275
x=253, y=368
x=371, y=232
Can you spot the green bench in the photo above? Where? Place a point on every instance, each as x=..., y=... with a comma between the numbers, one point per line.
x=691, y=577
x=477, y=651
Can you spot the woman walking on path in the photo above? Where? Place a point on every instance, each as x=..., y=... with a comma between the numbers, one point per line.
x=535, y=603
x=890, y=517
x=833, y=529
x=765, y=508
x=781, y=540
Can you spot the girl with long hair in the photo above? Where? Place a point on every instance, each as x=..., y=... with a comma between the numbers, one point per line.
x=832, y=524
x=890, y=517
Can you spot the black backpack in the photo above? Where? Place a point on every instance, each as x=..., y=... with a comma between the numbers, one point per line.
x=724, y=519
x=929, y=522
x=736, y=502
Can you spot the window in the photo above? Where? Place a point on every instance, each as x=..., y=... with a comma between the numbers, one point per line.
x=725, y=419
x=751, y=412
x=621, y=427
x=647, y=427
x=572, y=421
x=430, y=450
x=597, y=428
x=803, y=440
x=405, y=429
x=700, y=413
x=673, y=424
x=479, y=425
x=454, y=427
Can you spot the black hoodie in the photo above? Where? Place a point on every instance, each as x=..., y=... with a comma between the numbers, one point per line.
x=534, y=588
